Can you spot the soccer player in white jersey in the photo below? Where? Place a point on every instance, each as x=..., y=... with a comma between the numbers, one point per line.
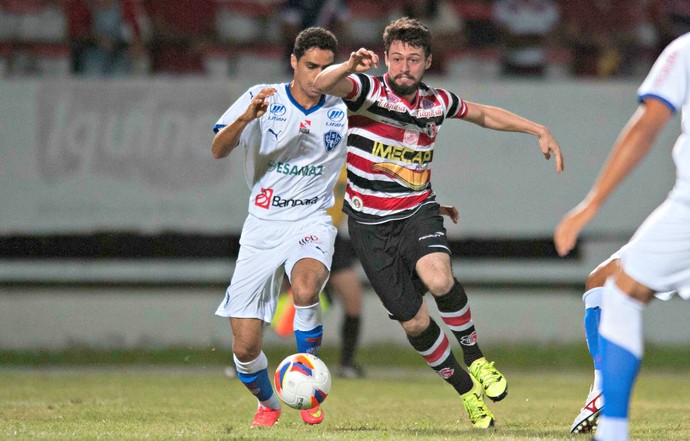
x=294, y=142
x=394, y=219
x=657, y=258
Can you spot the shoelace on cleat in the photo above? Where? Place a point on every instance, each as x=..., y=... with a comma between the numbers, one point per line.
x=487, y=373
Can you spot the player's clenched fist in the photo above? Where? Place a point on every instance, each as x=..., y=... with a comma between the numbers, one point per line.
x=362, y=60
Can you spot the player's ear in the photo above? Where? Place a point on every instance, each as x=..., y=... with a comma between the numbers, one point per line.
x=293, y=61
x=427, y=64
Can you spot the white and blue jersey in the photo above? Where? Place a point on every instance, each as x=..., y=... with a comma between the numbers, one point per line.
x=658, y=255
x=669, y=82
x=293, y=155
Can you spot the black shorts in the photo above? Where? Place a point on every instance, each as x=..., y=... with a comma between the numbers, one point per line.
x=344, y=255
x=389, y=253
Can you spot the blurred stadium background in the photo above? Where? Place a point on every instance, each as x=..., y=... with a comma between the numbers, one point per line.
x=118, y=230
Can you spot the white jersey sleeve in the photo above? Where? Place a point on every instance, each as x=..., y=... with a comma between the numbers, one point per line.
x=669, y=82
x=251, y=132
x=668, y=79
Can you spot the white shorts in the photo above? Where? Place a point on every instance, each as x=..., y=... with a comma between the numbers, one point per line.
x=268, y=250
x=666, y=295
x=658, y=255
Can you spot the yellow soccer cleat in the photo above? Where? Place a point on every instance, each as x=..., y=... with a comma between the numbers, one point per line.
x=480, y=415
x=492, y=381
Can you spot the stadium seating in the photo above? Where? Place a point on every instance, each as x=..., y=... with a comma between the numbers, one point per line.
x=249, y=38
x=32, y=35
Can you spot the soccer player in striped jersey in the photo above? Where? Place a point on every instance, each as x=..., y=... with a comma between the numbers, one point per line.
x=393, y=216
x=293, y=138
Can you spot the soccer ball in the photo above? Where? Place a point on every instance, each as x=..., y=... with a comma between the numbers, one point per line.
x=302, y=381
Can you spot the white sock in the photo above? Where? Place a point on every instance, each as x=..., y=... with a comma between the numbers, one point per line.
x=621, y=319
x=307, y=317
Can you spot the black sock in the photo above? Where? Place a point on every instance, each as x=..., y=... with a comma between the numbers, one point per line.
x=349, y=334
x=433, y=345
x=455, y=312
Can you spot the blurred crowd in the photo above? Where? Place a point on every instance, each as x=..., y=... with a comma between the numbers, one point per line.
x=520, y=38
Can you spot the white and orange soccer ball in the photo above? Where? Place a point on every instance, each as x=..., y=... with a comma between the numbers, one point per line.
x=302, y=381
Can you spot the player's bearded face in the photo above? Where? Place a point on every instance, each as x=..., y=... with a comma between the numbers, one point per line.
x=406, y=67
x=404, y=84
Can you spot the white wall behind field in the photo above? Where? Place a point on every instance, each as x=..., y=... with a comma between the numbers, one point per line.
x=42, y=318
x=81, y=156
x=85, y=156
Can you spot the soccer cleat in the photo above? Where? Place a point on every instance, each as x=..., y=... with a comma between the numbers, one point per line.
x=312, y=416
x=265, y=417
x=494, y=383
x=480, y=415
x=586, y=421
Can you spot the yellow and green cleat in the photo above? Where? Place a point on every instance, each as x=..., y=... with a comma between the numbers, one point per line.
x=492, y=381
x=480, y=415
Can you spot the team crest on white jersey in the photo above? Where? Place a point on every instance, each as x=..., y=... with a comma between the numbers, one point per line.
x=331, y=140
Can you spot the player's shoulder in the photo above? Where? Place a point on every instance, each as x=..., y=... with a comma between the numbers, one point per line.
x=253, y=90
x=438, y=93
x=683, y=40
x=333, y=101
x=430, y=90
x=680, y=44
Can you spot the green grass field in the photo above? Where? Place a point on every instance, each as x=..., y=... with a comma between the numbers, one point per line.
x=146, y=395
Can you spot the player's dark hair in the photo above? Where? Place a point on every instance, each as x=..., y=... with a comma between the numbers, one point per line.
x=314, y=37
x=410, y=31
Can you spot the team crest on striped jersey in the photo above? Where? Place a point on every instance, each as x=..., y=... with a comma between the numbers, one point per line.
x=411, y=137
x=430, y=130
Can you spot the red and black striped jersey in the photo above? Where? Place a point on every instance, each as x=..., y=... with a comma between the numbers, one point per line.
x=390, y=146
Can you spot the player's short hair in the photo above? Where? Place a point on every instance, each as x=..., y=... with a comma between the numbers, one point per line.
x=410, y=31
x=314, y=37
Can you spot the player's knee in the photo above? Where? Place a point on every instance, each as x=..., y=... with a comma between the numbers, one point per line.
x=245, y=353
x=440, y=284
x=305, y=294
x=598, y=277
x=416, y=325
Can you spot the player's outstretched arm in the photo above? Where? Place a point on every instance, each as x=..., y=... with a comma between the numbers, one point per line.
x=499, y=119
x=633, y=144
x=333, y=80
x=228, y=137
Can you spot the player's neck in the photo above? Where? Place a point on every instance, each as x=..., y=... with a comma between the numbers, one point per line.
x=302, y=98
